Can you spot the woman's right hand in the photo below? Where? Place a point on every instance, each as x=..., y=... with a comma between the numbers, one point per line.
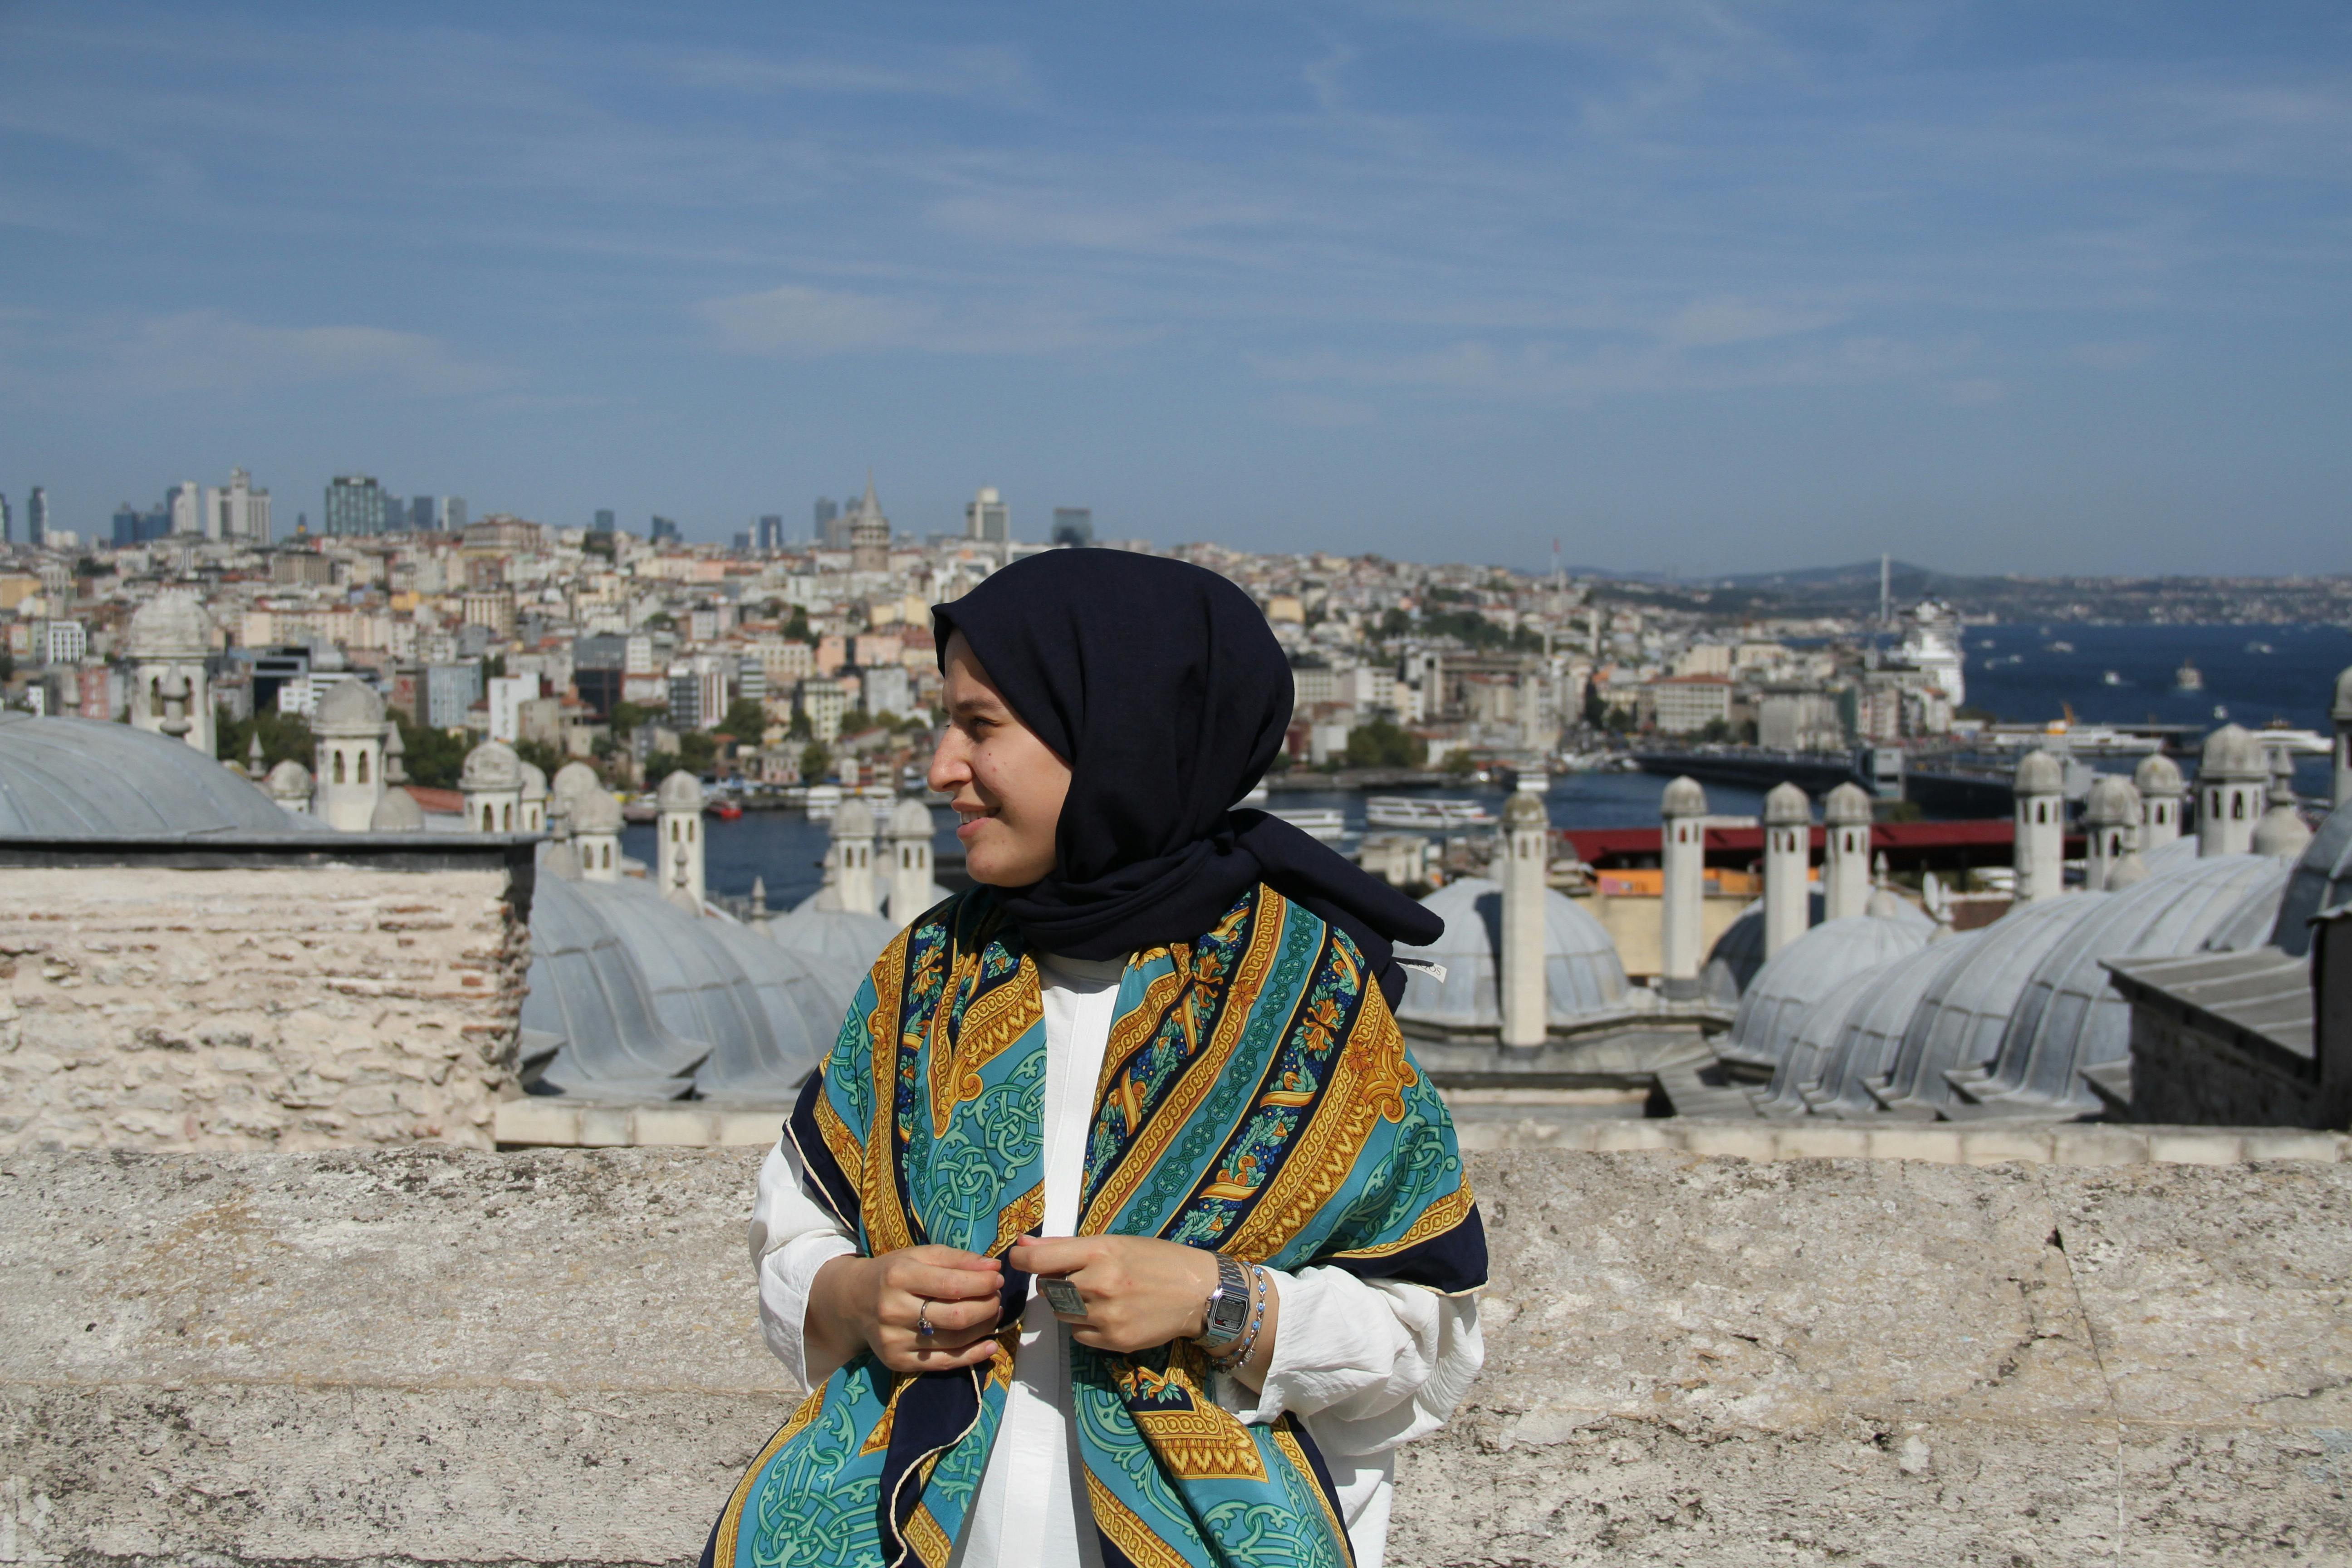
x=873, y=1303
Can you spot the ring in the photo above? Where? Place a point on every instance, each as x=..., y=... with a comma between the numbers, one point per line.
x=923, y=1321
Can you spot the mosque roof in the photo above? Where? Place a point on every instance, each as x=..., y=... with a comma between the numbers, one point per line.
x=78, y=778
x=2157, y=775
x=1739, y=953
x=1793, y=980
x=2322, y=880
x=833, y=937
x=589, y=994
x=679, y=791
x=492, y=765
x=910, y=817
x=594, y=810
x=349, y=709
x=2232, y=753
x=289, y=784
x=1683, y=798
x=1846, y=803
x=2070, y=1015
x=1786, y=805
x=1801, y=1063
x=534, y=782
x=1863, y=1047
x=397, y=812
x=2281, y=833
x=2039, y=773
x=169, y=625
x=574, y=777
x=1583, y=977
x=2112, y=800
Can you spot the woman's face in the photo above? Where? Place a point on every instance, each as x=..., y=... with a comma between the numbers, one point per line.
x=1004, y=783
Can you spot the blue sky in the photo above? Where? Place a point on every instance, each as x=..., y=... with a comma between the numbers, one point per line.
x=1711, y=287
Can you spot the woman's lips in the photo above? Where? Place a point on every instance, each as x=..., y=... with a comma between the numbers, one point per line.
x=969, y=826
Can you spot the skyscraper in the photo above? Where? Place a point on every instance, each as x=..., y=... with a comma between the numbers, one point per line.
x=771, y=532
x=1074, y=525
x=185, y=501
x=8, y=524
x=743, y=541
x=664, y=528
x=36, y=517
x=825, y=514
x=452, y=514
x=986, y=516
x=239, y=511
x=421, y=514
x=355, y=506
x=603, y=519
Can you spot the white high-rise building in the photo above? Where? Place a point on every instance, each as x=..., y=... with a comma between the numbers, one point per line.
x=986, y=516
x=186, y=503
x=237, y=511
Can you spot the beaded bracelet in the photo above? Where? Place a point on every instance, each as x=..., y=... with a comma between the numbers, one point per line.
x=1240, y=1354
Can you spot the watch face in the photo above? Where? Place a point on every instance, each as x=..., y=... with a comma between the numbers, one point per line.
x=1226, y=1318
x=1063, y=1297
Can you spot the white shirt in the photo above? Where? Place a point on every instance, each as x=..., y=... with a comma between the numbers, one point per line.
x=1365, y=1364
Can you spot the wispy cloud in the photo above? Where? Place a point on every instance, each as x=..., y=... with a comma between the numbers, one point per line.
x=796, y=321
x=990, y=74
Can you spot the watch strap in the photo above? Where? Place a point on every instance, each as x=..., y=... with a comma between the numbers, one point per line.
x=1225, y=1314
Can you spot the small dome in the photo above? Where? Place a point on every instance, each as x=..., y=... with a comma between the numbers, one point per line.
x=397, y=812
x=594, y=810
x=2232, y=753
x=1583, y=977
x=290, y=781
x=2039, y=773
x=350, y=710
x=491, y=766
x=1847, y=804
x=77, y=778
x=1787, y=806
x=1525, y=809
x=2157, y=775
x=910, y=818
x=2129, y=872
x=679, y=791
x=1865, y=1044
x=534, y=782
x=169, y=625
x=2281, y=832
x=571, y=781
x=1801, y=973
x=1883, y=905
x=2344, y=698
x=2112, y=802
x=2322, y=880
x=853, y=819
x=1683, y=798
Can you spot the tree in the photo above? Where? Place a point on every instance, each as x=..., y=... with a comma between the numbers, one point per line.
x=433, y=758
x=626, y=717
x=745, y=720
x=1382, y=743
x=797, y=628
x=284, y=736
x=1596, y=707
x=661, y=764
x=1459, y=764
x=697, y=749
x=541, y=756
x=816, y=762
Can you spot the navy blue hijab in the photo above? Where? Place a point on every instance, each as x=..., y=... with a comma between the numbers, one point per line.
x=1160, y=685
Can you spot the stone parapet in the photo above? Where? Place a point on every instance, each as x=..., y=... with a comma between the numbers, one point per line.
x=299, y=1005
x=437, y=1355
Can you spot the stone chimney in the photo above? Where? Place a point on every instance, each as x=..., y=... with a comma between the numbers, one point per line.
x=1682, y=859
x=2040, y=850
x=1527, y=857
x=1845, y=853
x=678, y=827
x=910, y=860
x=1788, y=852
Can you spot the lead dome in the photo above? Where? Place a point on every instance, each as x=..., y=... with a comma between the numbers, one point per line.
x=169, y=627
x=2157, y=775
x=1583, y=978
x=679, y=791
x=1683, y=798
x=2232, y=753
x=349, y=709
x=2039, y=773
x=492, y=765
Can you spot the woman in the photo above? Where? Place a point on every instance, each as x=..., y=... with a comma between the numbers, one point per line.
x=1119, y=1227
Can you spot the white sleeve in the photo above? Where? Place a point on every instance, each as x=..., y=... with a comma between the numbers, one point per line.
x=792, y=1237
x=1374, y=1363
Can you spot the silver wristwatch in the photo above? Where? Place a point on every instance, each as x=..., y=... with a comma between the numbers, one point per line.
x=1226, y=1312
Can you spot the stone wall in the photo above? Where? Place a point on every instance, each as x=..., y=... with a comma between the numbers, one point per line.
x=254, y=1007
x=403, y=1356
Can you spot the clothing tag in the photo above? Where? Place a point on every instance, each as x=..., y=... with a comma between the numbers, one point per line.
x=1434, y=971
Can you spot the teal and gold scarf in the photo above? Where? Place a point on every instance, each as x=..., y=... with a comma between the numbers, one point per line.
x=1256, y=1099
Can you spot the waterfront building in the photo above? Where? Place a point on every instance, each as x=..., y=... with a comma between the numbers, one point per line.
x=987, y=518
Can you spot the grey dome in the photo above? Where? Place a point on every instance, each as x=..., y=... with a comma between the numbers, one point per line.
x=1774, y=1007
x=2322, y=879
x=350, y=710
x=1683, y=798
x=588, y=999
x=853, y=819
x=2112, y=802
x=170, y=625
x=2232, y=753
x=573, y=779
x=594, y=810
x=2157, y=775
x=679, y=791
x=491, y=766
x=1583, y=977
x=534, y=782
x=1786, y=805
x=2070, y=1017
x=2281, y=833
x=1961, y=1016
x=288, y=785
x=910, y=818
x=832, y=939
x=1800, y=1068
x=1847, y=806
x=2039, y=773
x=1865, y=1043
x=397, y=812
x=79, y=778
x=1739, y=953
x=804, y=1001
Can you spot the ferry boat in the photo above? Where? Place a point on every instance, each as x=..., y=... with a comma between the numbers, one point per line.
x=2188, y=679
x=724, y=810
x=1435, y=815
x=1328, y=824
x=2112, y=678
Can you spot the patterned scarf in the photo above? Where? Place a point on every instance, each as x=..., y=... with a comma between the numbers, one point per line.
x=1255, y=1098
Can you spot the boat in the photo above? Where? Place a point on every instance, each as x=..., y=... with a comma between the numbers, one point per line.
x=2188, y=679
x=820, y=801
x=724, y=810
x=2279, y=735
x=2112, y=678
x=2259, y=647
x=1328, y=824
x=2058, y=647
x=1431, y=814
x=641, y=809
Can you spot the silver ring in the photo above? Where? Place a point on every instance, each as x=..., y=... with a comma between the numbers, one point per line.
x=923, y=1321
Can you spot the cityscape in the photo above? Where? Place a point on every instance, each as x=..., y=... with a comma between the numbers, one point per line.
x=1785, y=994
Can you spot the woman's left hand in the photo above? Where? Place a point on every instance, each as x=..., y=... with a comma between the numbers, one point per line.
x=1140, y=1292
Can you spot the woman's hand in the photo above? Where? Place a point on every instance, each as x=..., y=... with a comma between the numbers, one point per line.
x=873, y=1303
x=1138, y=1292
